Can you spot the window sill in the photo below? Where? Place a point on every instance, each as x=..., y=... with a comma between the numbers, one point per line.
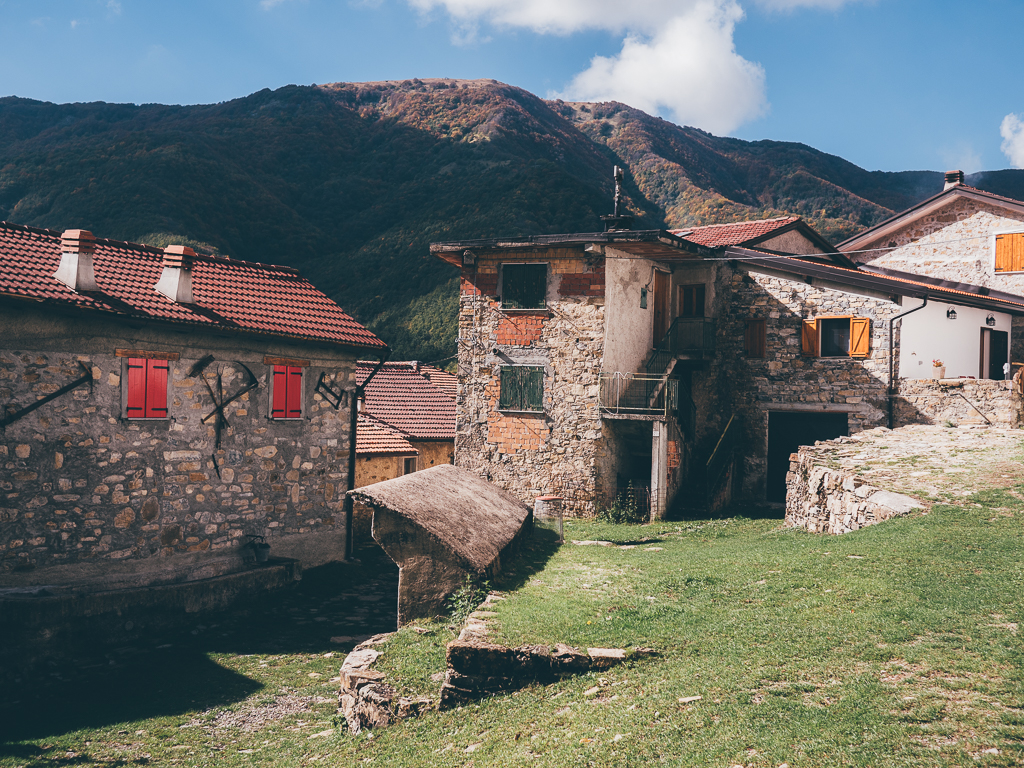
x=519, y=311
x=521, y=413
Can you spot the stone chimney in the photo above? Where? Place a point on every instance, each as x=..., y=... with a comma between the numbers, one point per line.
x=176, y=280
x=953, y=179
x=76, y=268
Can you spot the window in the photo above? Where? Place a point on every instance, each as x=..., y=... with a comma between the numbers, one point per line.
x=836, y=337
x=409, y=465
x=691, y=300
x=522, y=388
x=524, y=286
x=1010, y=252
x=147, y=388
x=286, y=397
x=755, y=338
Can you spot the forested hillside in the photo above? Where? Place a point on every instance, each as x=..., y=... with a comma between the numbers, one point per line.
x=351, y=182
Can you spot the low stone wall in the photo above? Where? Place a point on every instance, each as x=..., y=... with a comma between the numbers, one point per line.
x=828, y=500
x=959, y=401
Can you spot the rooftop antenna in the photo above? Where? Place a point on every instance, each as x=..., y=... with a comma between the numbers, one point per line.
x=617, y=222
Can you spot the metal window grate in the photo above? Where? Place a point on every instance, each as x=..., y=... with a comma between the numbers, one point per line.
x=524, y=286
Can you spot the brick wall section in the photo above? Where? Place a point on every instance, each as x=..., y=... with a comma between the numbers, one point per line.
x=520, y=329
x=552, y=452
x=80, y=483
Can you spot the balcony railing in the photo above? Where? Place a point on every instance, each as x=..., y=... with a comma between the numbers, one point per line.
x=689, y=338
x=638, y=394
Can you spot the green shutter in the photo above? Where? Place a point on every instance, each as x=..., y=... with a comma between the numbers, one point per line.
x=522, y=389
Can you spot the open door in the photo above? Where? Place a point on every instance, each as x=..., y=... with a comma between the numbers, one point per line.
x=995, y=353
x=787, y=431
x=662, y=302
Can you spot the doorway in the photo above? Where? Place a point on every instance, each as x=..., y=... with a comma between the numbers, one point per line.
x=995, y=353
x=787, y=431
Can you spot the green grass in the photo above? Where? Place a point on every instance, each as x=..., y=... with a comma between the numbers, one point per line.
x=896, y=645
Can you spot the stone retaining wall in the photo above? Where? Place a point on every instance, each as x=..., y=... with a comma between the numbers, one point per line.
x=827, y=500
x=936, y=401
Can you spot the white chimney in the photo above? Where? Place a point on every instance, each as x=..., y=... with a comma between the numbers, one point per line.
x=76, y=267
x=176, y=280
x=953, y=179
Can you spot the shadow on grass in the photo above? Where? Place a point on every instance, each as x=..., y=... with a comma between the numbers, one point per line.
x=94, y=685
x=532, y=557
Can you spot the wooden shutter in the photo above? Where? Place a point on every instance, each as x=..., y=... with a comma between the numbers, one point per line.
x=522, y=388
x=136, y=408
x=809, y=338
x=156, y=388
x=1010, y=252
x=860, y=336
x=278, y=407
x=293, y=400
x=534, y=389
x=755, y=338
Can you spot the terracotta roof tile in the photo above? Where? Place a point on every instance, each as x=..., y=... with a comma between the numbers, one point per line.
x=376, y=437
x=446, y=382
x=736, y=233
x=402, y=397
x=240, y=295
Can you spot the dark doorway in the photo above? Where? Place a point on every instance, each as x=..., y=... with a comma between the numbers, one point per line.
x=998, y=353
x=787, y=431
x=662, y=298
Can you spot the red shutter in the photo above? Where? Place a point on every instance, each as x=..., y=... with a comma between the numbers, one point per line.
x=156, y=388
x=280, y=389
x=293, y=402
x=136, y=408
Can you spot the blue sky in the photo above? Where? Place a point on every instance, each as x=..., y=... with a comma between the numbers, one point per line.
x=886, y=84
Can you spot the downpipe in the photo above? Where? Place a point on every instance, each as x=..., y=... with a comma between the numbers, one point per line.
x=351, y=483
x=892, y=362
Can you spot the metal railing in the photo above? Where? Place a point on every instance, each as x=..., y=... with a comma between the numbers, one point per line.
x=638, y=393
x=692, y=337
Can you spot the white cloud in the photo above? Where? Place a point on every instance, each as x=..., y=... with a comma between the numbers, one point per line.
x=266, y=5
x=689, y=69
x=1012, y=131
x=962, y=157
x=792, y=5
x=114, y=6
x=74, y=23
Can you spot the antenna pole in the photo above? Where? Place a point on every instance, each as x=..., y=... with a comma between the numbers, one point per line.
x=618, y=188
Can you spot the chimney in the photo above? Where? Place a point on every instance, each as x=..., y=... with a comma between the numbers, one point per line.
x=76, y=268
x=176, y=280
x=953, y=179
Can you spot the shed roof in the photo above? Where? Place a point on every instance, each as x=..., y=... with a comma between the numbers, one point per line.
x=467, y=514
x=375, y=438
x=229, y=294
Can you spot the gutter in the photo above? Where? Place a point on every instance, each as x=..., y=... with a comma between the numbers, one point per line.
x=892, y=362
x=351, y=482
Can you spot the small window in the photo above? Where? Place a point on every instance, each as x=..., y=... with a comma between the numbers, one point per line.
x=286, y=393
x=409, y=465
x=1010, y=252
x=691, y=300
x=524, y=286
x=836, y=337
x=755, y=339
x=147, y=388
x=522, y=388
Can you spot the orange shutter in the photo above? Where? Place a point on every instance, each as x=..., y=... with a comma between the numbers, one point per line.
x=860, y=336
x=809, y=338
x=1010, y=252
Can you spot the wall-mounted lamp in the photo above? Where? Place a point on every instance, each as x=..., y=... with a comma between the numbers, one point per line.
x=468, y=258
x=951, y=314
x=990, y=320
x=643, y=297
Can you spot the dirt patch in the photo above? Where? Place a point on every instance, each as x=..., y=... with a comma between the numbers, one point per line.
x=255, y=718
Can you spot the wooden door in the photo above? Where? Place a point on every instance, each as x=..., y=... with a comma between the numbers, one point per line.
x=662, y=301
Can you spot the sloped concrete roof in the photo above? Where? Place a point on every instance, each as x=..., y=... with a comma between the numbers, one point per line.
x=469, y=515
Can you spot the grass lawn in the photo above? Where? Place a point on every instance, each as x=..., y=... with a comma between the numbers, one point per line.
x=897, y=645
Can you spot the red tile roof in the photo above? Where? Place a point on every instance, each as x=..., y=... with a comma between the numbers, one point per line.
x=402, y=397
x=376, y=437
x=446, y=382
x=737, y=233
x=231, y=294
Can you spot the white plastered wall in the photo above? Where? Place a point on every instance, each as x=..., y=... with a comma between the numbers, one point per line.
x=628, y=327
x=929, y=335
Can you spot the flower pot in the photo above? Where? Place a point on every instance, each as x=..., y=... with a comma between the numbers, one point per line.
x=939, y=372
x=262, y=551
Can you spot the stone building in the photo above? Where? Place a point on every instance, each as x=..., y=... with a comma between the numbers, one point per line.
x=679, y=367
x=960, y=235
x=161, y=408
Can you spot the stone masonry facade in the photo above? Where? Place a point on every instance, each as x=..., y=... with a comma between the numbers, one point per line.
x=553, y=451
x=81, y=483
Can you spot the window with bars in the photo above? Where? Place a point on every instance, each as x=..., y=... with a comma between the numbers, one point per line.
x=147, y=388
x=524, y=286
x=286, y=393
x=522, y=388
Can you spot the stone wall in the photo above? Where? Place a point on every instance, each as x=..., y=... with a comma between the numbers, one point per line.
x=958, y=401
x=82, y=485
x=825, y=499
x=550, y=452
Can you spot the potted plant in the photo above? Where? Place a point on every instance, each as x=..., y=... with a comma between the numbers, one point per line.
x=938, y=369
x=260, y=548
